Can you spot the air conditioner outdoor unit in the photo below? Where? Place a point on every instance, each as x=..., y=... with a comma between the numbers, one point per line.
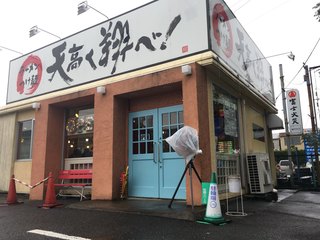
x=259, y=173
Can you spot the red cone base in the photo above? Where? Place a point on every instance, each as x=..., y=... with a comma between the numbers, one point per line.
x=12, y=195
x=50, y=199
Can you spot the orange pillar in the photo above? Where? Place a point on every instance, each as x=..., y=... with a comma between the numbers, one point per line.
x=195, y=107
x=103, y=146
x=47, y=146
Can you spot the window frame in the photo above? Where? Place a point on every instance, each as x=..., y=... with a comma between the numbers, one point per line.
x=18, y=136
x=73, y=113
x=227, y=156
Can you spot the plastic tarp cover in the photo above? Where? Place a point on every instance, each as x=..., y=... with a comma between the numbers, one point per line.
x=185, y=142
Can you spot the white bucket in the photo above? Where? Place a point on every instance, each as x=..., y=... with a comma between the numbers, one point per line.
x=234, y=184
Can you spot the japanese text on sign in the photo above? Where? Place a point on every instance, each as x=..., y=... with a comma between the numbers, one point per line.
x=294, y=112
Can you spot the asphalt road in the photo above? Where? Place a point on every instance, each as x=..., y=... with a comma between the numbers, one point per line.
x=295, y=216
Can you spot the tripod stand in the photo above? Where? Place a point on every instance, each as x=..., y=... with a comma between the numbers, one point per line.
x=189, y=166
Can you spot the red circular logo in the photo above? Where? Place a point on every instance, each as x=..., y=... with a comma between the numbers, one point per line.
x=29, y=76
x=222, y=30
x=292, y=94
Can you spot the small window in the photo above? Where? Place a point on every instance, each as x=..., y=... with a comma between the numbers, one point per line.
x=24, y=140
x=79, y=128
x=258, y=132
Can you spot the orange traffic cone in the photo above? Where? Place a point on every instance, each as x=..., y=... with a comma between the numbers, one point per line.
x=12, y=195
x=50, y=199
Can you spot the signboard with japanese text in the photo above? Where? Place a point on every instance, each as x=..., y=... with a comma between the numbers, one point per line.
x=294, y=112
x=309, y=146
x=233, y=45
x=155, y=33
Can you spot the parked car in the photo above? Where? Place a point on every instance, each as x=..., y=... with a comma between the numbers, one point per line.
x=285, y=169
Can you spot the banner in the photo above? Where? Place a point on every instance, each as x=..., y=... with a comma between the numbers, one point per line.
x=158, y=32
x=294, y=112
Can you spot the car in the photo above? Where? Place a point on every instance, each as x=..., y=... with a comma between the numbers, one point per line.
x=309, y=164
x=284, y=167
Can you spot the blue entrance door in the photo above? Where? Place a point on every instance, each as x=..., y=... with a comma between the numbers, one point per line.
x=154, y=168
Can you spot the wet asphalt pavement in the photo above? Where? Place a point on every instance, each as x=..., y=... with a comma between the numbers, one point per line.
x=296, y=215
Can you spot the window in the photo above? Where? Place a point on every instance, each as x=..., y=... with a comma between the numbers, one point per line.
x=258, y=132
x=171, y=123
x=226, y=123
x=79, y=128
x=226, y=136
x=25, y=129
x=142, y=134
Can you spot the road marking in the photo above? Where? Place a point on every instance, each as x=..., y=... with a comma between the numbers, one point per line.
x=56, y=235
x=282, y=195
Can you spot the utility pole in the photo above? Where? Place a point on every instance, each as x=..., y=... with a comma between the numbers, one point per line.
x=314, y=130
x=286, y=123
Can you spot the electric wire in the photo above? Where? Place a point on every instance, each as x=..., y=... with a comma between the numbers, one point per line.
x=265, y=13
x=233, y=5
x=303, y=64
x=242, y=5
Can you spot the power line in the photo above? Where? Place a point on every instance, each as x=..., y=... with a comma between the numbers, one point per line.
x=233, y=5
x=267, y=12
x=303, y=64
x=242, y=5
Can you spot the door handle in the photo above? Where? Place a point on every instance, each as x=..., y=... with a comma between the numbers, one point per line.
x=155, y=152
x=159, y=151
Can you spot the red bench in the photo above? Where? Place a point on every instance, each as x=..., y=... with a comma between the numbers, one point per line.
x=74, y=179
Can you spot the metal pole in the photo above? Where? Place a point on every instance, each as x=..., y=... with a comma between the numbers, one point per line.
x=284, y=105
x=191, y=186
x=9, y=49
x=313, y=100
x=286, y=123
x=314, y=132
x=298, y=163
x=49, y=33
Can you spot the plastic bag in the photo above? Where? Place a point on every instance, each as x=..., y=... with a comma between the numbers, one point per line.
x=185, y=142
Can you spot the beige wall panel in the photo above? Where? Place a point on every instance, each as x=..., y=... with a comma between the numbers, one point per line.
x=25, y=115
x=7, y=142
x=254, y=117
x=22, y=171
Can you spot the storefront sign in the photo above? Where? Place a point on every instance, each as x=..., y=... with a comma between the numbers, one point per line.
x=234, y=46
x=174, y=29
x=308, y=143
x=294, y=112
x=124, y=44
x=309, y=151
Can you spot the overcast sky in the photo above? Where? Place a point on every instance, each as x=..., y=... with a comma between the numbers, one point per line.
x=276, y=26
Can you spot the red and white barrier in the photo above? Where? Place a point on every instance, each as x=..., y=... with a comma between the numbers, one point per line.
x=31, y=186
